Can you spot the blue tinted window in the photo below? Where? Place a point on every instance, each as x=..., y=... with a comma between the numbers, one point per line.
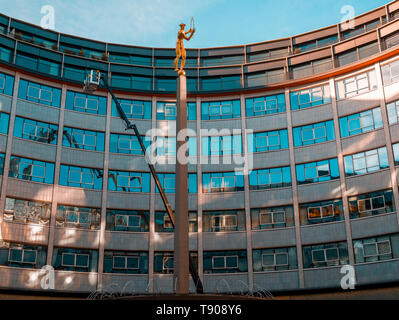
x=371, y=204
x=314, y=133
x=35, y=130
x=4, y=122
x=396, y=153
x=360, y=122
x=220, y=110
x=222, y=182
x=89, y=178
x=221, y=145
x=366, y=162
x=38, y=93
x=2, y=158
x=134, y=109
x=18, y=255
x=270, y=178
x=265, y=105
x=125, y=262
x=86, y=103
x=317, y=171
x=168, y=111
x=128, y=144
x=6, y=84
x=267, y=141
x=393, y=112
x=127, y=181
x=78, y=260
x=325, y=255
x=225, y=261
x=83, y=139
x=310, y=97
x=168, y=182
x=32, y=170
x=128, y=220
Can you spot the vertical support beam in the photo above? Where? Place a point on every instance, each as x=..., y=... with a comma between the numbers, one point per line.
x=340, y=157
x=248, y=225
x=151, y=237
x=54, y=204
x=295, y=201
x=9, y=148
x=181, y=256
x=200, y=245
x=104, y=195
x=388, y=141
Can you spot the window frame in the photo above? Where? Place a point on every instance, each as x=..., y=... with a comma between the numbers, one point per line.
x=371, y=203
x=223, y=218
x=81, y=177
x=40, y=93
x=22, y=256
x=86, y=99
x=126, y=259
x=314, y=262
x=321, y=212
x=224, y=262
x=36, y=129
x=274, y=265
x=84, y=138
x=377, y=249
x=272, y=218
x=75, y=258
x=32, y=165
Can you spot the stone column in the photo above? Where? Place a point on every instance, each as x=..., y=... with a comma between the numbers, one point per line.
x=181, y=257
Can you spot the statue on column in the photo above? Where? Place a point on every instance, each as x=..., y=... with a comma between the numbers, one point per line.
x=180, y=50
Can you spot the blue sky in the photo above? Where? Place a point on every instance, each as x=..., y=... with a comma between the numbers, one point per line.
x=154, y=23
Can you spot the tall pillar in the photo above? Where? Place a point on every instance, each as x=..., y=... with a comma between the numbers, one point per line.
x=181, y=257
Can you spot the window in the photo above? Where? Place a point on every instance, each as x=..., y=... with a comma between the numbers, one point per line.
x=366, y=162
x=168, y=182
x=39, y=93
x=356, y=85
x=125, y=262
x=6, y=83
x=89, y=178
x=20, y=255
x=361, y=122
x=369, y=204
x=23, y=256
x=133, y=109
x=78, y=217
x=325, y=255
x=393, y=112
x=313, y=133
x=127, y=220
x=129, y=181
x=319, y=171
x=4, y=122
x=320, y=212
x=272, y=217
x=270, y=178
x=86, y=103
x=75, y=260
x=167, y=111
x=267, y=141
x=375, y=249
x=222, y=182
x=220, y=110
x=164, y=261
x=24, y=211
x=310, y=97
x=128, y=144
x=164, y=224
x=78, y=260
x=32, y=170
x=265, y=105
x=221, y=145
x=35, y=130
x=83, y=139
x=224, y=222
x=225, y=261
x=390, y=73
x=395, y=148
x=2, y=157
x=274, y=259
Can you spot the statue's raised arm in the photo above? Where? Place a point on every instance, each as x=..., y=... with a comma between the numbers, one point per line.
x=180, y=51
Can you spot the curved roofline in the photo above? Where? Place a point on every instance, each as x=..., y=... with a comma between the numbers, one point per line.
x=207, y=48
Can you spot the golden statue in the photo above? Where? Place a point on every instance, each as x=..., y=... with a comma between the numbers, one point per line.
x=180, y=51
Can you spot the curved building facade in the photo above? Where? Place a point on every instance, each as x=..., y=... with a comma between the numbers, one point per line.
x=312, y=119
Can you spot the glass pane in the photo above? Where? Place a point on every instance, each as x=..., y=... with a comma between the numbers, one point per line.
x=132, y=262
x=120, y=220
x=33, y=92
x=268, y=259
x=364, y=205
x=82, y=260
x=384, y=248
x=119, y=262
x=323, y=170
x=29, y=256
x=218, y=262
x=318, y=255
x=134, y=221
x=370, y=249
x=231, y=262
x=71, y=217
x=314, y=213
x=266, y=218
x=15, y=255
x=279, y=217
x=327, y=211
x=68, y=259
x=378, y=202
x=332, y=254
x=281, y=259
